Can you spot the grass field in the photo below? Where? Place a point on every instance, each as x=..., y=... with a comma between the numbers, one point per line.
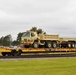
x=57, y=66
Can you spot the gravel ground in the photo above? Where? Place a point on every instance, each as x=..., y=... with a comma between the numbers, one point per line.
x=16, y=59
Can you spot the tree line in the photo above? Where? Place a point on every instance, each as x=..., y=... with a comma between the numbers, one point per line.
x=8, y=40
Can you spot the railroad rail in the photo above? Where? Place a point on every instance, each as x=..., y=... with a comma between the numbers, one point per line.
x=39, y=56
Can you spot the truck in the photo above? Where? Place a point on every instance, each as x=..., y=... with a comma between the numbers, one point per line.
x=34, y=40
x=67, y=42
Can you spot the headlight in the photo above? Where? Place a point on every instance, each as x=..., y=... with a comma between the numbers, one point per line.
x=29, y=40
x=25, y=40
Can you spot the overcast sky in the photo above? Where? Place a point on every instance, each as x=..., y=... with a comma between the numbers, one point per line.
x=53, y=16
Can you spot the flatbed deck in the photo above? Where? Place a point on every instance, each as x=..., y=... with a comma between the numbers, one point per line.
x=48, y=50
x=4, y=49
x=38, y=49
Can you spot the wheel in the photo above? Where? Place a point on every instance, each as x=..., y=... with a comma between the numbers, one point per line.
x=9, y=54
x=19, y=52
x=49, y=45
x=14, y=53
x=35, y=45
x=4, y=53
x=73, y=45
x=54, y=44
x=69, y=45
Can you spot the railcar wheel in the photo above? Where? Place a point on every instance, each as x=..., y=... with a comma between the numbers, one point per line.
x=9, y=54
x=3, y=53
x=14, y=53
x=19, y=52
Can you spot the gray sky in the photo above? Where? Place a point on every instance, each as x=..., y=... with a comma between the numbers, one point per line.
x=53, y=16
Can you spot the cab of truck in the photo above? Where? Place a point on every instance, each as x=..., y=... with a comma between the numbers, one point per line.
x=28, y=37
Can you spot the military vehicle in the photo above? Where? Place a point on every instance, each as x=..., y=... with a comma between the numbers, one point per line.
x=67, y=42
x=34, y=40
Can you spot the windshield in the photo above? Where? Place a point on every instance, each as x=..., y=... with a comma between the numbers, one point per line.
x=26, y=34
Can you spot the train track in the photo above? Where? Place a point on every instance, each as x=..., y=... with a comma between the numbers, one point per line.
x=39, y=56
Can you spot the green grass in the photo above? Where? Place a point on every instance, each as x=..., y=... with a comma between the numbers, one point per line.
x=58, y=66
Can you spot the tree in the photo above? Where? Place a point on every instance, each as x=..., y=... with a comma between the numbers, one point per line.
x=19, y=37
x=15, y=43
x=6, y=41
x=33, y=29
x=1, y=41
x=36, y=30
x=39, y=31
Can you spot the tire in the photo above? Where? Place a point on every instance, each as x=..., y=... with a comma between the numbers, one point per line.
x=54, y=44
x=73, y=45
x=35, y=45
x=49, y=45
x=69, y=45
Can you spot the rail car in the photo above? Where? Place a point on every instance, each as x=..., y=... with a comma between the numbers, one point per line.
x=19, y=51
